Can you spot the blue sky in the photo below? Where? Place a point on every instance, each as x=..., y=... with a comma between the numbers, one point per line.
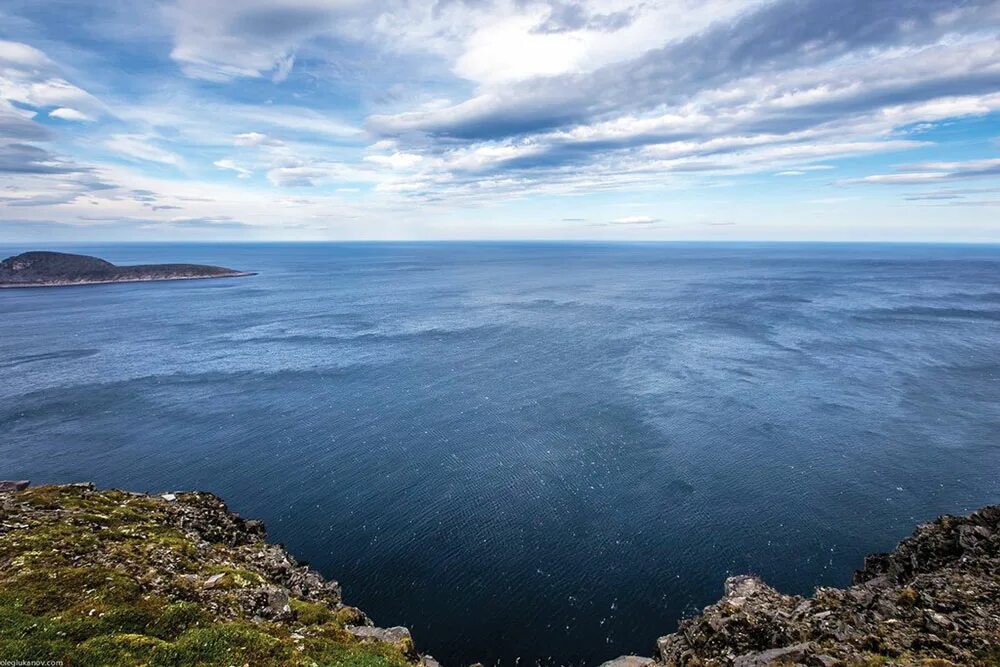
x=635, y=119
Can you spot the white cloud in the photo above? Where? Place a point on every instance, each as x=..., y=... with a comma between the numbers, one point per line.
x=932, y=172
x=635, y=220
x=396, y=160
x=67, y=113
x=138, y=147
x=29, y=77
x=231, y=165
x=255, y=139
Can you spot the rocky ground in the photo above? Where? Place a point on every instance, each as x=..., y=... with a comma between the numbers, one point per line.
x=934, y=601
x=92, y=577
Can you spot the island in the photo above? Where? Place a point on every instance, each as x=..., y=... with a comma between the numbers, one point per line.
x=59, y=269
x=110, y=577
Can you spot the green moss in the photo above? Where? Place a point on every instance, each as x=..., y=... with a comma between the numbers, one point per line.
x=226, y=644
x=104, y=578
x=176, y=618
x=35, y=648
x=350, y=616
x=354, y=655
x=48, y=590
x=311, y=613
x=102, y=620
x=117, y=650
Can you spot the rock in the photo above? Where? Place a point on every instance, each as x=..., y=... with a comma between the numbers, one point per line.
x=935, y=597
x=13, y=486
x=788, y=654
x=429, y=661
x=397, y=636
x=277, y=603
x=215, y=580
x=628, y=661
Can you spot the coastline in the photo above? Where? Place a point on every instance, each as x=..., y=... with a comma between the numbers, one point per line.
x=238, y=274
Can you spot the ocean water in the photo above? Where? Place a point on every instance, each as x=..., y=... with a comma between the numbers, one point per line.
x=549, y=452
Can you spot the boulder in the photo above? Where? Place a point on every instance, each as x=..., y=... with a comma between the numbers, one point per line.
x=12, y=486
x=628, y=661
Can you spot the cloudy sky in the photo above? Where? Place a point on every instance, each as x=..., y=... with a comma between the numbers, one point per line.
x=440, y=119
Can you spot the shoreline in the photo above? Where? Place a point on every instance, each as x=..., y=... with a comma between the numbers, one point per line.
x=239, y=274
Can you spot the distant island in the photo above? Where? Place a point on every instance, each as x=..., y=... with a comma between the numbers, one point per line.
x=55, y=269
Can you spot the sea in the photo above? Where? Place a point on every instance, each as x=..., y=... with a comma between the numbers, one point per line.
x=529, y=453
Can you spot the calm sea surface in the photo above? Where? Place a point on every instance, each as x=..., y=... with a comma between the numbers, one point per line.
x=544, y=451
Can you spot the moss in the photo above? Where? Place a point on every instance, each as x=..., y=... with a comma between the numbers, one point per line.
x=907, y=597
x=176, y=618
x=16, y=625
x=350, y=616
x=117, y=650
x=104, y=620
x=47, y=590
x=225, y=644
x=354, y=655
x=107, y=578
x=311, y=613
x=35, y=649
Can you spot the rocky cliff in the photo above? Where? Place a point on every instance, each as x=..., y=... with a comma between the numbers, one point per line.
x=934, y=601
x=92, y=577
x=53, y=269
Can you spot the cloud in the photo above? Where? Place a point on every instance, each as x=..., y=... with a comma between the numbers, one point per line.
x=219, y=40
x=66, y=113
x=933, y=172
x=255, y=139
x=635, y=220
x=28, y=77
x=229, y=164
x=296, y=177
x=28, y=159
x=139, y=147
x=396, y=160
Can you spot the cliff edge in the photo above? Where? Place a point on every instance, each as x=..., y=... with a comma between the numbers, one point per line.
x=934, y=602
x=92, y=577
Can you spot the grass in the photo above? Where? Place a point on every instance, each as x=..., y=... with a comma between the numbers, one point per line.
x=105, y=578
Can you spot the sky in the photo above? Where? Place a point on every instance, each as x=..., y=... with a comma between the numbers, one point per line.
x=211, y=120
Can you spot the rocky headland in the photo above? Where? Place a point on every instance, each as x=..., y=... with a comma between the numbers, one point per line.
x=59, y=269
x=108, y=577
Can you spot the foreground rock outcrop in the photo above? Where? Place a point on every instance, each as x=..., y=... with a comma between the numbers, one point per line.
x=60, y=269
x=92, y=577
x=933, y=601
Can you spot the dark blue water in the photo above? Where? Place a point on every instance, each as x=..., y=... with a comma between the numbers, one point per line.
x=545, y=451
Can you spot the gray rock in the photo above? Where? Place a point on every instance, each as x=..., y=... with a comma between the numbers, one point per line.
x=277, y=603
x=12, y=486
x=398, y=636
x=628, y=661
x=793, y=654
